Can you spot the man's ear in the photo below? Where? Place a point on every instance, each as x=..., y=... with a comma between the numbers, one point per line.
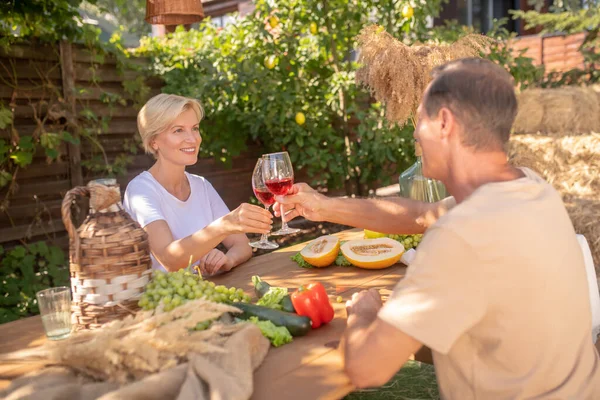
x=447, y=122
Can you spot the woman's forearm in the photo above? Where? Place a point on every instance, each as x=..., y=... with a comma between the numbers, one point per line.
x=179, y=253
x=240, y=252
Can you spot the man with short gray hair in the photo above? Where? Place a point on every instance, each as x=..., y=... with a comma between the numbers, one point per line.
x=498, y=288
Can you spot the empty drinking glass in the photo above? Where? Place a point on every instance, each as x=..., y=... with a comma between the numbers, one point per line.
x=55, y=309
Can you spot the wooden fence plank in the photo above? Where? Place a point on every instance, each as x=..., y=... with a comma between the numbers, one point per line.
x=96, y=92
x=20, y=211
x=24, y=231
x=101, y=109
x=11, y=68
x=39, y=170
x=82, y=54
x=569, y=49
x=560, y=58
x=21, y=51
x=55, y=188
x=102, y=73
x=28, y=90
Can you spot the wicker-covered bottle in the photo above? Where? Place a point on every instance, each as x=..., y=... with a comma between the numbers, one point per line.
x=109, y=257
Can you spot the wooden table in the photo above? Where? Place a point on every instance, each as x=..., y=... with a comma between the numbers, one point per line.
x=308, y=368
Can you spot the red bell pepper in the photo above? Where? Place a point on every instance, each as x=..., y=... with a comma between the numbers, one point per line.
x=312, y=301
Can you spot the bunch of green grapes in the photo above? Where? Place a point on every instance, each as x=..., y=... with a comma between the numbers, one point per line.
x=174, y=288
x=408, y=241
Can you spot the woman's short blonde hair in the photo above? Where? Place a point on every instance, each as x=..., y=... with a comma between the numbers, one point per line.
x=160, y=112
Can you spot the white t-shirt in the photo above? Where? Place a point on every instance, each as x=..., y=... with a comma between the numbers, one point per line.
x=146, y=200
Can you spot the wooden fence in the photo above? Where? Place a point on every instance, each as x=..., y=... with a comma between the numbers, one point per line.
x=556, y=52
x=38, y=84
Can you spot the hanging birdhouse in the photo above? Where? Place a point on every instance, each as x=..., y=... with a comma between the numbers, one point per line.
x=173, y=12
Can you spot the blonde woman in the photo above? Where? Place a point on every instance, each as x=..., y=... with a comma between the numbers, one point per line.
x=182, y=213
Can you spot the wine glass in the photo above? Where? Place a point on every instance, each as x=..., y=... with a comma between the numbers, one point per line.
x=279, y=178
x=266, y=198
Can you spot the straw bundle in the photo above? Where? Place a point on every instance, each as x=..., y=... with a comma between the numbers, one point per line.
x=139, y=345
x=556, y=111
x=572, y=165
x=397, y=74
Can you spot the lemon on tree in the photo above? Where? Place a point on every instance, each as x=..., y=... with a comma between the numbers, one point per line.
x=273, y=21
x=270, y=62
x=408, y=11
x=313, y=28
x=300, y=118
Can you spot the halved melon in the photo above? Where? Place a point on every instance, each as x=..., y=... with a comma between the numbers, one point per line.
x=373, y=253
x=322, y=251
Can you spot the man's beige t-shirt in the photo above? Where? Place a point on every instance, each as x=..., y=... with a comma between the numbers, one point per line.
x=498, y=291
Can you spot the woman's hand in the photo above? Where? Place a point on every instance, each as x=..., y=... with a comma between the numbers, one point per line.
x=247, y=219
x=214, y=261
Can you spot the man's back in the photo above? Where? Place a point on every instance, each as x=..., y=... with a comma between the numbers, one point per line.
x=501, y=278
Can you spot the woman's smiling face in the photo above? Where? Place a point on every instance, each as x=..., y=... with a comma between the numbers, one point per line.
x=180, y=143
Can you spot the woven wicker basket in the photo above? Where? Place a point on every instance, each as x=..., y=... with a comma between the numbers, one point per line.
x=109, y=257
x=173, y=12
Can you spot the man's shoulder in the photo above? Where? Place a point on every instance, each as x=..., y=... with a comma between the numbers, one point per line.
x=508, y=214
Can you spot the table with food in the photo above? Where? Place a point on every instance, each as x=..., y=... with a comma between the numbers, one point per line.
x=269, y=329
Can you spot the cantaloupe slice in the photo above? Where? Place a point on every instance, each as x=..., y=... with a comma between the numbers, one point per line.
x=322, y=251
x=373, y=253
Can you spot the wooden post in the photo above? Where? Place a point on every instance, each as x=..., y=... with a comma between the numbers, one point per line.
x=68, y=84
x=73, y=150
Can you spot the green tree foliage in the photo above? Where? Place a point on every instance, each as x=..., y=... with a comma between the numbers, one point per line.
x=129, y=14
x=42, y=20
x=289, y=57
x=25, y=270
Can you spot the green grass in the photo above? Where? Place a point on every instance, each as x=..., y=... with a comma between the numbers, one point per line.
x=415, y=381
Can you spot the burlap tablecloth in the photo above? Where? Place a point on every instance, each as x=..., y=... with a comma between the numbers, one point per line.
x=226, y=376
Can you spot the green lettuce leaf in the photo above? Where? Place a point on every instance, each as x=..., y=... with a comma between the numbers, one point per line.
x=277, y=335
x=297, y=258
x=342, y=261
x=273, y=298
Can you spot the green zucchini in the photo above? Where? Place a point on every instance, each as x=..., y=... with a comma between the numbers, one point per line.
x=262, y=287
x=297, y=325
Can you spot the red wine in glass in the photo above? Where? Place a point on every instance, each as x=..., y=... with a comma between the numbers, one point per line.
x=280, y=187
x=278, y=175
x=265, y=196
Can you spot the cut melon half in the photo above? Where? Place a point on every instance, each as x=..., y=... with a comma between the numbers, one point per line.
x=322, y=251
x=373, y=253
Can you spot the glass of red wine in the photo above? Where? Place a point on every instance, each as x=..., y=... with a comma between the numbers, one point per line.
x=279, y=178
x=266, y=198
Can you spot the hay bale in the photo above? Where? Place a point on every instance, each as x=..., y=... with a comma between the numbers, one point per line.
x=572, y=165
x=557, y=111
x=529, y=113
